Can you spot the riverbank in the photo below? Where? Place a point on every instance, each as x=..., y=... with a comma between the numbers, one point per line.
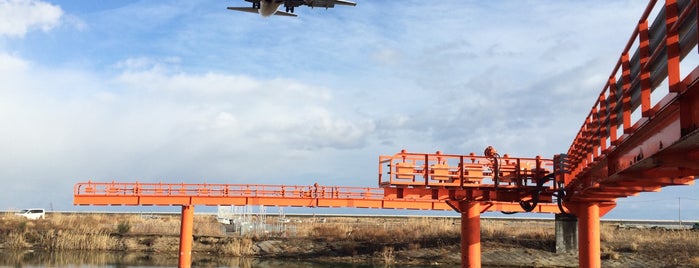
x=421, y=241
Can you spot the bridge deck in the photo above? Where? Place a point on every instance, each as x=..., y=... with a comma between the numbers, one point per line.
x=168, y=194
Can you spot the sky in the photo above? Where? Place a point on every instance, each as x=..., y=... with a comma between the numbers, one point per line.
x=187, y=91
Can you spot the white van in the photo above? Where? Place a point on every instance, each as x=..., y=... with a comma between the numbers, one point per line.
x=32, y=214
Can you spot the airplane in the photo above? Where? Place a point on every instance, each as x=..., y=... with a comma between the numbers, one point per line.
x=268, y=8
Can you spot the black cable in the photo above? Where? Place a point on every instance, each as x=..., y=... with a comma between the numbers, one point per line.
x=529, y=207
x=559, y=198
x=497, y=162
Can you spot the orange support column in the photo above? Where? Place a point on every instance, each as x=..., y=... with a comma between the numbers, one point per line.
x=186, y=228
x=470, y=234
x=589, y=236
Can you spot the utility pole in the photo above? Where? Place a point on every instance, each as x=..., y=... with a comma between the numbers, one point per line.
x=679, y=210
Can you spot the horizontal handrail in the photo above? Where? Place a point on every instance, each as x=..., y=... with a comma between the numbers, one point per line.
x=639, y=76
x=439, y=170
x=224, y=190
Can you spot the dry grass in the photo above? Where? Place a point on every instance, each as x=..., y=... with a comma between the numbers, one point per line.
x=92, y=231
x=534, y=230
x=206, y=225
x=420, y=229
x=56, y=233
x=694, y=261
x=331, y=232
x=381, y=231
x=388, y=255
x=63, y=240
x=15, y=240
x=674, y=247
x=237, y=247
x=385, y=236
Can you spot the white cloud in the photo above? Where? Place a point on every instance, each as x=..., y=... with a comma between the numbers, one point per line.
x=146, y=63
x=11, y=64
x=153, y=124
x=17, y=17
x=387, y=57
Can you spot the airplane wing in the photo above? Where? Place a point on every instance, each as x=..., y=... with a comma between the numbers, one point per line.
x=319, y=3
x=244, y=9
x=328, y=3
x=345, y=3
x=283, y=13
x=268, y=7
x=256, y=11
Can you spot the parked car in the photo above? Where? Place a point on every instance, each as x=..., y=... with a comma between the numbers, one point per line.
x=32, y=214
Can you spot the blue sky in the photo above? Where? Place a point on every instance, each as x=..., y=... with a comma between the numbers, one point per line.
x=187, y=91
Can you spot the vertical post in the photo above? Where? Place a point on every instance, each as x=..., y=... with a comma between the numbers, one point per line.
x=603, y=117
x=679, y=210
x=427, y=170
x=613, y=122
x=646, y=83
x=589, y=236
x=589, y=156
x=186, y=228
x=594, y=131
x=626, y=93
x=673, y=46
x=470, y=234
x=461, y=171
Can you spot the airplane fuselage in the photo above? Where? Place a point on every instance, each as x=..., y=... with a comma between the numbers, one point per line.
x=268, y=7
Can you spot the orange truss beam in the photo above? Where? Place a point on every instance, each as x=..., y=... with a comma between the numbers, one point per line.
x=167, y=194
x=661, y=146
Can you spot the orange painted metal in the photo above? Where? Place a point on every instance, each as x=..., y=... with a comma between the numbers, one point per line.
x=186, y=232
x=180, y=194
x=499, y=183
x=589, y=235
x=659, y=148
x=440, y=170
x=470, y=234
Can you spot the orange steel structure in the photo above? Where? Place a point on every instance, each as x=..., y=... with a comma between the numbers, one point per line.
x=189, y=195
x=614, y=155
x=469, y=184
x=180, y=194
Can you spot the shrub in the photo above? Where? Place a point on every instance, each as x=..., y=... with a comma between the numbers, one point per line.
x=123, y=227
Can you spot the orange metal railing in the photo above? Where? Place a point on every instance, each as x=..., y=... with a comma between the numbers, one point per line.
x=115, y=193
x=445, y=170
x=223, y=190
x=612, y=148
x=180, y=194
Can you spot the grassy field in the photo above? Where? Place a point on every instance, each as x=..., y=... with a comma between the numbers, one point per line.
x=380, y=237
